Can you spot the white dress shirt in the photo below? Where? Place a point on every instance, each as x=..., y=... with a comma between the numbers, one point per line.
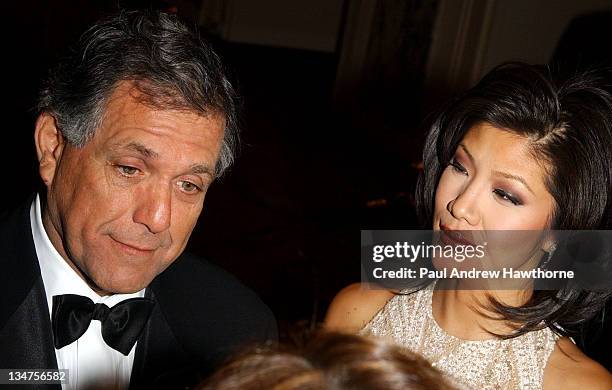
x=90, y=361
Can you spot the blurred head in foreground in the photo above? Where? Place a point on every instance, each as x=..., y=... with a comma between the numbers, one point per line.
x=329, y=361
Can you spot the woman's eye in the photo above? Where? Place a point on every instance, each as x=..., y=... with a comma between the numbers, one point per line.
x=506, y=196
x=457, y=167
x=126, y=170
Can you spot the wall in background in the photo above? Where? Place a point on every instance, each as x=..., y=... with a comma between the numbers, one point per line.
x=296, y=24
x=530, y=30
x=472, y=36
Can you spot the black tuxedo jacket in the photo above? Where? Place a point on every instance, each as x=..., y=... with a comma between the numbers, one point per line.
x=201, y=315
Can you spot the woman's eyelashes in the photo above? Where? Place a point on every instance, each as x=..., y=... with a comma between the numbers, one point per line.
x=500, y=193
x=457, y=166
x=507, y=197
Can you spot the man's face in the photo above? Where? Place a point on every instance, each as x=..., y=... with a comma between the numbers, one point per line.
x=121, y=208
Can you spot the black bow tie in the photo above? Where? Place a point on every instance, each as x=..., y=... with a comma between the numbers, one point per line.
x=121, y=324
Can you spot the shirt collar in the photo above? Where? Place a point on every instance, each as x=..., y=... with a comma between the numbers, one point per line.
x=58, y=277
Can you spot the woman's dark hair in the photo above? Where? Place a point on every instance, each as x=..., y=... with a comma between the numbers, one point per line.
x=569, y=124
x=164, y=59
x=330, y=360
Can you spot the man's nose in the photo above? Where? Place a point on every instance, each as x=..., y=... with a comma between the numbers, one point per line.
x=465, y=205
x=155, y=209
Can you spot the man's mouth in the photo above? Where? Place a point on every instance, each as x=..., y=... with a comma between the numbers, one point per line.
x=133, y=248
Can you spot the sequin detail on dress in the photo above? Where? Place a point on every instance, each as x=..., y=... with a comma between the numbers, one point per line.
x=516, y=363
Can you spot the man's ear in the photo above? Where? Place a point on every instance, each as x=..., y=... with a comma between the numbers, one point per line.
x=49, y=146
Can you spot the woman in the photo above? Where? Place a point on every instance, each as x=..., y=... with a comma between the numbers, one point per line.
x=520, y=151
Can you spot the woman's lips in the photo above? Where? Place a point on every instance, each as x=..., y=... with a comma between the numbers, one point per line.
x=453, y=237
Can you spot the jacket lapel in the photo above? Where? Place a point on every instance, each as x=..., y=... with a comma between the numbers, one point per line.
x=25, y=325
x=160, y=361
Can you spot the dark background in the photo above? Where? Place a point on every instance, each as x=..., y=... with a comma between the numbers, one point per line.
x=333, y=121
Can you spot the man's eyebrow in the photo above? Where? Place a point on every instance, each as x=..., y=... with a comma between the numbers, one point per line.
x=139, y=148
x=514, y=177
x=202, y=169
x=198, y=169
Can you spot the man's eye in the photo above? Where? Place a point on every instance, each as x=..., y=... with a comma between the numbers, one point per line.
x=506, y=196
x=457, y=167
x=189, y=187
x=126, y=170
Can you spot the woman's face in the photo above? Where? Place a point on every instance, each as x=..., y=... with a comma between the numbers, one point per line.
x=494, y=185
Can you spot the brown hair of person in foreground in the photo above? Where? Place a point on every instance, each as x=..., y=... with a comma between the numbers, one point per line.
x=330, y=360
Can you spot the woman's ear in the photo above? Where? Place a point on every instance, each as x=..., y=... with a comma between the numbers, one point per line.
x=49, y=146
x=549, y=243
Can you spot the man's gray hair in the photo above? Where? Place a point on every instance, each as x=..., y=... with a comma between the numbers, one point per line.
x=168, y=63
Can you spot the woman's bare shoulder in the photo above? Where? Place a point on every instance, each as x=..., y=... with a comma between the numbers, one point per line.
x=569, y=368
x=354, y=306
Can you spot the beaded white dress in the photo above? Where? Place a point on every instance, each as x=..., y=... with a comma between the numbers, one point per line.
x=516, y=363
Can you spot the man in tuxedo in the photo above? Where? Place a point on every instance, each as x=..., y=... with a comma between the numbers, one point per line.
x=133, y=128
